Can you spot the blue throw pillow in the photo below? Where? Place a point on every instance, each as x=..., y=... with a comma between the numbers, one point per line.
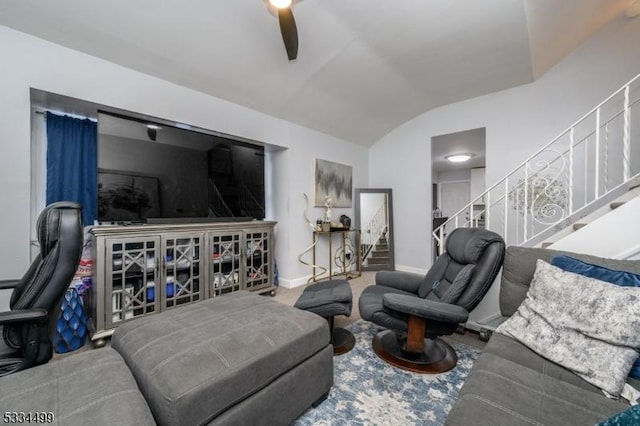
x=601, y=273
x=630, y=416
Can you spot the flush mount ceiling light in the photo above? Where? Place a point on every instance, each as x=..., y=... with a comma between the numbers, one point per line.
x=458, y=158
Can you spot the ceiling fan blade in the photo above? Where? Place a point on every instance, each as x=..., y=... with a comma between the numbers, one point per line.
x=289, y=32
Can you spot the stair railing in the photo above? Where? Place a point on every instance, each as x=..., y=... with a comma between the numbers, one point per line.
x=586, y=165
x=249, y=203
x=216, y=203
x=374, y=229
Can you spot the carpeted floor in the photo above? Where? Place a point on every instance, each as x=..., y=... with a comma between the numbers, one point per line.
x=368, y=391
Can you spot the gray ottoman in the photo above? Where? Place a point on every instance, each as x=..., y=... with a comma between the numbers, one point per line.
x=238, y=359
x=328, y=299
x=92, y=387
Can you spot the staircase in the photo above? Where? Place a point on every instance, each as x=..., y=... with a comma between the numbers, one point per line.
x=373, y=242
x=217, y=206
x=586, y=220
x=379, y=253
x=249, y=204
x=583, y=172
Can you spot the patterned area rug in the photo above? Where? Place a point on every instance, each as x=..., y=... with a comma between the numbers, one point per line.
x=368, y=391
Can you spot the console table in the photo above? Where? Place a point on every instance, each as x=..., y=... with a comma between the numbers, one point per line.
x=343, y=254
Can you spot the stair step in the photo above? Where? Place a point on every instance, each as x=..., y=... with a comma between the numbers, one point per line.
x=376, y=253
x=378, y=260
x=577, y=226
x=616, y=204
x=382, y=247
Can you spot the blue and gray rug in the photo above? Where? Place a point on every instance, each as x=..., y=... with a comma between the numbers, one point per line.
x=368, y=391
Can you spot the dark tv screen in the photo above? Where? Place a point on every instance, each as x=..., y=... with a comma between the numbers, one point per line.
x=174, y=173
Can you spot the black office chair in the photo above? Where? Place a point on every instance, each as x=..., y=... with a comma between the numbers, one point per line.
x=36, y=298
x=418, y=310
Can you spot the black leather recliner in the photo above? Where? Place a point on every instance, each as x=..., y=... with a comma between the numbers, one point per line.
x=36, y=298
x=417, y=310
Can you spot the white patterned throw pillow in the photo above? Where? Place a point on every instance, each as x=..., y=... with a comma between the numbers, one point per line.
x=586, y=325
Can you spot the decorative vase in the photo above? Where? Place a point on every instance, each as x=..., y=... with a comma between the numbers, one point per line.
x=71, y=326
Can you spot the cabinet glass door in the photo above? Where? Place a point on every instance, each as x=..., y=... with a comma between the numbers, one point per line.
x=182, y=272
x=132, y=274
x=225, y=250
x=258, y=264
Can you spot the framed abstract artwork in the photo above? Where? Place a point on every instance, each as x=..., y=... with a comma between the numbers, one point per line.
x=335, y=181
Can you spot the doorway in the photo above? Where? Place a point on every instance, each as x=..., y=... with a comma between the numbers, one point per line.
x=456, y=183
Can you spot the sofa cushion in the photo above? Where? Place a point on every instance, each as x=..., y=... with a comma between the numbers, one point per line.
x=586, y=325
x=194, y=362
x=92, y=387
x=514, y=351
x=501, y=392
x=520, y=265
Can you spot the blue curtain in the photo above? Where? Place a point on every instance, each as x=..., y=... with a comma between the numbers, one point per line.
x=72, y=163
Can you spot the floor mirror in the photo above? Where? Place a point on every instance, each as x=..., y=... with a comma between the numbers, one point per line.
x=374, y=218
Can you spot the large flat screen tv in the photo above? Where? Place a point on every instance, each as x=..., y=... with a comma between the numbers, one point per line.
x=168, y=173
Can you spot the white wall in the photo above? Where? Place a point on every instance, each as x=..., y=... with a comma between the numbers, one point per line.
x=454, y=175
x=518, y=121
x=29, y=62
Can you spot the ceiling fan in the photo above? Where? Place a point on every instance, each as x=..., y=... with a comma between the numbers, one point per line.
x=288, y=27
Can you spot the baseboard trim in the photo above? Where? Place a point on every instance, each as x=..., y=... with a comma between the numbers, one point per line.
x=293, y=283
x=297, y=282
x=483, y=324
x=300, y=281
x=411, y=269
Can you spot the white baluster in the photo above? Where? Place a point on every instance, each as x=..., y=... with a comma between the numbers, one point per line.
x=506, y=209
x=571, y=138
x=597, y=159
x=626, y=141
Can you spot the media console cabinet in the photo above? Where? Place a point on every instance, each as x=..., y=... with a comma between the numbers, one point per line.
x=140, y=270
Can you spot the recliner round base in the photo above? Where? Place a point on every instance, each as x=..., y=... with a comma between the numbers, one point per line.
x=437, y=356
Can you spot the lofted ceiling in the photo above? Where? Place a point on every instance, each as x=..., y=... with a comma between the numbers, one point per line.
x=364, y=67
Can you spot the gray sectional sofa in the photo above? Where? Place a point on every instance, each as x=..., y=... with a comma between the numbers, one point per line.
x=239, y=359
x=512, y=385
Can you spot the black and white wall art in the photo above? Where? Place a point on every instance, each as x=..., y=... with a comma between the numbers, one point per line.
x=335, y=181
